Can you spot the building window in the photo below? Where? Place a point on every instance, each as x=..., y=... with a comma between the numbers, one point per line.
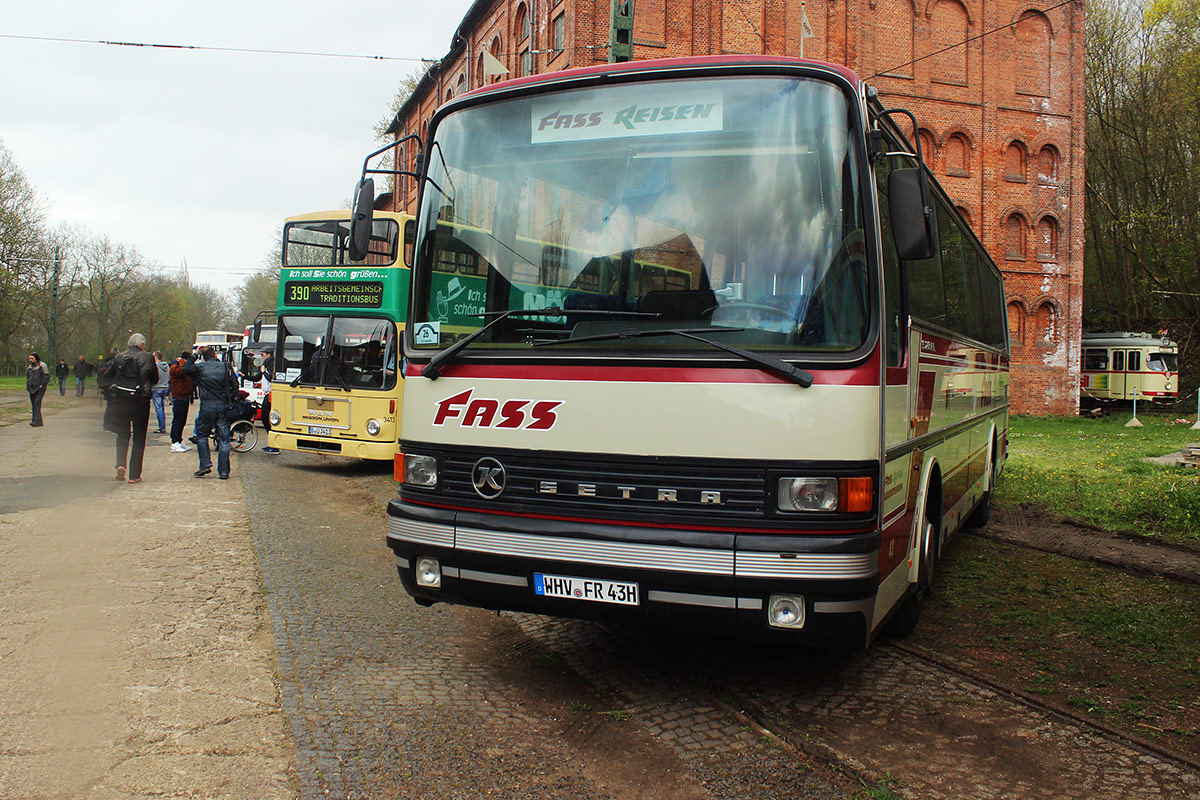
x=560, y=33
x=1046, y=323
x=1015, y=158
x=1033, y=35
x=521, y=24
x=1047, y=239
x=526, y=62
x=948, y=30
x=1016, y=322
x=928, y=151
x=1048, y=165
x=958, y=156
x=1014, y=238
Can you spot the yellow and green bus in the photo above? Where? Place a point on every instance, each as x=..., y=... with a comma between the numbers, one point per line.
x=337, y=377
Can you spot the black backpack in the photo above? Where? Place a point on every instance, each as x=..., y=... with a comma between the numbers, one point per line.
x=128, y=380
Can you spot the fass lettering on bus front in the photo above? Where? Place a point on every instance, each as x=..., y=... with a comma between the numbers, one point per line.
x=612, y=116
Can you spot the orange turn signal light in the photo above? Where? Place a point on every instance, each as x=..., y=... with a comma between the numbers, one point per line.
x=856, y=494
x=398, y=467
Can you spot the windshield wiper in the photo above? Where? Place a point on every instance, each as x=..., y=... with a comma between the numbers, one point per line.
x=434, y=368
x=801, y=377
x=336, y=373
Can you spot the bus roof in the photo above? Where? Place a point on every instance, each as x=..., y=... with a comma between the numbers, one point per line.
x=662, y=65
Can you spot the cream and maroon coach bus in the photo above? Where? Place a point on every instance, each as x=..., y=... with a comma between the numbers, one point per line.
x=777, y=446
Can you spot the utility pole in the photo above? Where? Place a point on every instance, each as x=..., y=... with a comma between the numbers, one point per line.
x=620, y=31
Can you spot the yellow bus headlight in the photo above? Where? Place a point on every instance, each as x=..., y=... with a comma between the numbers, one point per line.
x=373, y=427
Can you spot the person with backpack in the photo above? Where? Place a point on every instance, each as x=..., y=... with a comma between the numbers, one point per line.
x=104, y=380
x=217, y=386
x=133, y=377
x=37, y=378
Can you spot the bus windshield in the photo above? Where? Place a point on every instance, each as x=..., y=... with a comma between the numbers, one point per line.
x=343, y=352
x=725, y=206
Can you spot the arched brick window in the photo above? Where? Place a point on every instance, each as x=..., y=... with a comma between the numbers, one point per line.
x=948, y=30
x=1048, y=164
x=1016, y=322
x=1033, y=33
x=1047, y=238
x=928, y=151
x=1016, y=158
x=964, y=213
x=520, y=31
x=1014, y=237
x=1045, y=323
x=958, y=156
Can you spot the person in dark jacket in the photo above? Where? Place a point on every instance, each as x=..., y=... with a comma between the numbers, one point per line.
x=104, y=380
x=83, y=370
x=131, y=406
x=37, y=377
x=62, y=372
x=211, y=377
x=181, y=398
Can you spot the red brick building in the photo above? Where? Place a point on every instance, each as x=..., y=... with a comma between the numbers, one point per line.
x=996, y=84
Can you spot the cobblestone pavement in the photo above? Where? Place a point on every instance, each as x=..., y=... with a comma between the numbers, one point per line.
x=886, y=712
x=388, y=699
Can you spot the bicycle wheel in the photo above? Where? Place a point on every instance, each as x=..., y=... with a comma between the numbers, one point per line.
x=243, y=435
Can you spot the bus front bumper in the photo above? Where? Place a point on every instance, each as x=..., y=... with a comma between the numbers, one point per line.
x=698, y=580
x=329, y=445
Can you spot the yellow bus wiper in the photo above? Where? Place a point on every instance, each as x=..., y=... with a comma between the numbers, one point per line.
x=434, y=368
x=777, y=366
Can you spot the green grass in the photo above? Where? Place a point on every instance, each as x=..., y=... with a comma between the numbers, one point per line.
x=12, y=382
x=1092, y=470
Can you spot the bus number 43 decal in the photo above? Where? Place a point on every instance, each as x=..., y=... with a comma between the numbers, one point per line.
x=484, y=412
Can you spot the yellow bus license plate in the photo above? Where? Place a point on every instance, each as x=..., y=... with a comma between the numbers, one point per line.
x=586, y=589
x=317, y=430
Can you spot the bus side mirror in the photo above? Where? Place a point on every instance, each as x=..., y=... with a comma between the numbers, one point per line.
x=258, y=330
x=361, y=218
x=914, y=226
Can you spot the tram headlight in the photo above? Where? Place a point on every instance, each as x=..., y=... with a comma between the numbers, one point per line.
x=419, y=470
x=785, y=611
x=1168, y=386
x=275, y=418
x=373, y=427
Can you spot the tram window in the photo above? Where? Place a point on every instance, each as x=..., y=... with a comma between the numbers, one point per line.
x=1162, y=362
x=1118, y=360
x=1135, y=360
x=1095, y=359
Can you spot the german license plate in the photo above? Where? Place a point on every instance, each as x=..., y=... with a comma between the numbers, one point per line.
x=592, y=589
x=317, y=430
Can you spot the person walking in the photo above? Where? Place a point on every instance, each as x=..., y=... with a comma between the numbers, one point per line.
x=181, y=398
x=104, y=381
x=82, y=371
x=62, y=372
x=213, y=383
x=37, y=378
x=160, y=391
x=134, y=376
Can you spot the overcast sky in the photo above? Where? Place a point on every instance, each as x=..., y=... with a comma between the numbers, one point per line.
x=199, y=154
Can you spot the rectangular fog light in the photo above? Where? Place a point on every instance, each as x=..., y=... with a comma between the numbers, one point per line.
x=785, y=611
x=428, y=572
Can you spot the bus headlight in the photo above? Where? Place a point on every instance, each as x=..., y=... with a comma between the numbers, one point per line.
x=849, y=495
x=1168, y=386
x=420, y=471
x=808, y=494
x=373, y=427
x=275, y=418
x=785, y=611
